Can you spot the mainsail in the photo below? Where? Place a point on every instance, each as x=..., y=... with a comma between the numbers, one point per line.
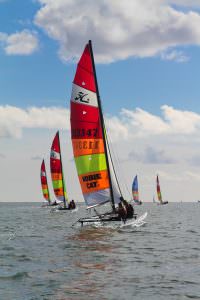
x=88, y=134
x=135, y=192
x=57, y=170
x=44, y=183
x=158, y=190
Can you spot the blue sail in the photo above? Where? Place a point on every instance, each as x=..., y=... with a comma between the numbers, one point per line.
x=135, y=192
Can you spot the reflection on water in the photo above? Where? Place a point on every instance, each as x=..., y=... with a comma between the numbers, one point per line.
x=91, y=263
x=48, y=259
x=92, y=233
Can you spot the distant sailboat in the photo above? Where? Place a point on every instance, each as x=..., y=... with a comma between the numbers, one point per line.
x=44, y=184
x=135, y=192
x=57, y=172
x=90, y=144
x=154, y=201
x=159, y=192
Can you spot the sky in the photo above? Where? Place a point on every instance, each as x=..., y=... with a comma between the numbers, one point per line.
x=147, y=56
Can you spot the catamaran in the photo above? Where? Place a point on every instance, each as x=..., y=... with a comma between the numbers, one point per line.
x=57, y=174
x=161, y=202
x=90, y=145
x=135, y=192
x=44, y=184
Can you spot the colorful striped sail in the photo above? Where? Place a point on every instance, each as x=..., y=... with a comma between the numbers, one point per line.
x=135, y=192
x=158, y=190
x=44, y=183
x=57, y=171
x=88, y=137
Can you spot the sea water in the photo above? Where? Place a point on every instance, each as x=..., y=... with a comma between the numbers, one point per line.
x=43, y=257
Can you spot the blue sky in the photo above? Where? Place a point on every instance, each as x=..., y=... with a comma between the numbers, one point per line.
x=148, y=72
x=43, y=79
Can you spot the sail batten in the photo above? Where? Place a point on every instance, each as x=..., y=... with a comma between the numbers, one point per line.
x=87, y=134
x=57, y=170
x=44, y=183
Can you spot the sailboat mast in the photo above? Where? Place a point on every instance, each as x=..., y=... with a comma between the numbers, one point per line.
x=62, y=171
x=102, y=123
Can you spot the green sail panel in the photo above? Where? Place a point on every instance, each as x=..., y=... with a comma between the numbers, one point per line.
x=90, y=163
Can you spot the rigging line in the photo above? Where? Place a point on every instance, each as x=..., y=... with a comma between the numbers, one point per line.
x=119, y=164
x=109, y=150
x=117, y=161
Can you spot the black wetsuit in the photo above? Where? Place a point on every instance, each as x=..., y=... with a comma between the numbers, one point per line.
x=130, y=211
x=122, y=214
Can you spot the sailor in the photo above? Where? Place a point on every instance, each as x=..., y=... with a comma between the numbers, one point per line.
x=121, y=212
x=73, y=205
x=130, y=211
x=70, y=205
x=129, y=208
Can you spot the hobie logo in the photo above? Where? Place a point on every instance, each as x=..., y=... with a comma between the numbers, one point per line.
x=55, y=154
x=82, y=97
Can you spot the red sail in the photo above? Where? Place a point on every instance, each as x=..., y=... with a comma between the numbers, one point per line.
x=56, y=170
x=158, y=190
x=84, y=75
x=44, y=183
x=87, y=134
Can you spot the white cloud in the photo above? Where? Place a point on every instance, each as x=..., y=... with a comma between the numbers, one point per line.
x=183, y=122
x=119, y=29
x=175, y=55
x=129, y=124
x=13, y=119
x=141, y=122
x=153, y=144
x=138, y=123
x=150, y=155
x=19, y=43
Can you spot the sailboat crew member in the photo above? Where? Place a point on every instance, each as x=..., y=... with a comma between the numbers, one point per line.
x=72, y=204
x=129, y=208
x=122, y=214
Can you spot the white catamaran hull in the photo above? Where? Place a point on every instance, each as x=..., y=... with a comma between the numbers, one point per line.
x=98, y=222
x=135, y=223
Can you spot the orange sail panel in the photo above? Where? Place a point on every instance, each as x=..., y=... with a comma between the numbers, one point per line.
x=44, y=184
x=87, y=134
x=158, y=190
x=56, y=170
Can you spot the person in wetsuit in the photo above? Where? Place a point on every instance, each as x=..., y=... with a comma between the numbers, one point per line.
x=122, y=214
x=129, y=208
x=73, y=205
